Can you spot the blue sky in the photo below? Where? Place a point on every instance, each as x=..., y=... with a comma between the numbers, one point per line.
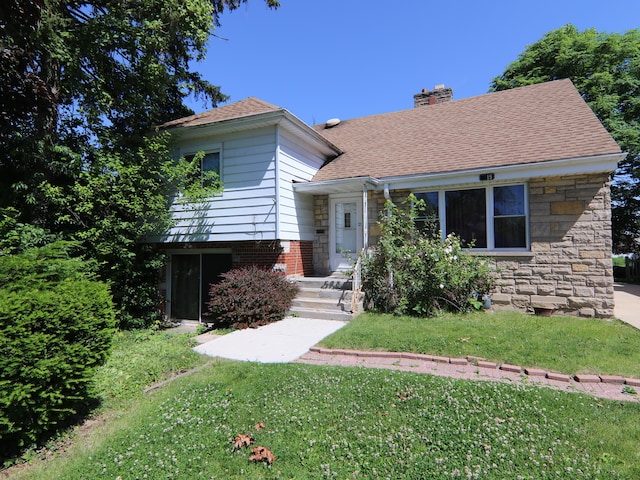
x=322, y=59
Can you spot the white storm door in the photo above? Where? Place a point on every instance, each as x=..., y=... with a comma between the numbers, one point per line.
x=345, y=232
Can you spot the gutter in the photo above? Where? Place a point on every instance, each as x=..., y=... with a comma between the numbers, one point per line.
x=337, y=186
x=505, y=173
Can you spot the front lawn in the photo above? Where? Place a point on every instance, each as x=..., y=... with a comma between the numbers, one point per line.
x=335, y=422
x=331, y=422
x=564, y=344
x=140, y=358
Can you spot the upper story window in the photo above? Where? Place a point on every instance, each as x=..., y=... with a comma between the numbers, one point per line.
x=494, y=217
x=210, y=162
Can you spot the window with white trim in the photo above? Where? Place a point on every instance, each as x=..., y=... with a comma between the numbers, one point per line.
x=210, y=162
x=494, y=217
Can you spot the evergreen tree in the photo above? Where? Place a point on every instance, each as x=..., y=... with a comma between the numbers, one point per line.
x=83, y=85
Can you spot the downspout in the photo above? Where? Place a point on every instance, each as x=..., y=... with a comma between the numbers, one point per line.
x=387, y=197
x=365, y=217
x=276, y=199
x=356, y=279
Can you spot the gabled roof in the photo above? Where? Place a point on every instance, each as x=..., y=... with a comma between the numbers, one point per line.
x=243, y=108
x=252, y=113
x=537, y=123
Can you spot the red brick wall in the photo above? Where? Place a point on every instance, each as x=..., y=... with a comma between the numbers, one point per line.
x=299, y=258
x=296, y=258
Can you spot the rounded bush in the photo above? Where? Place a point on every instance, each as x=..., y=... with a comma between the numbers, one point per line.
x=53, y=336
x=250, y=297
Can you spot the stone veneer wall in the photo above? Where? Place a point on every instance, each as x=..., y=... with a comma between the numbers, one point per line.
x=570, y=267
x=321, y=239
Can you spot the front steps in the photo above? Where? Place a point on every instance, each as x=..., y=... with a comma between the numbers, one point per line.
x=325, y=298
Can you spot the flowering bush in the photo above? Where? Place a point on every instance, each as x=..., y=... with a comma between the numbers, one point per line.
x=250, y=297
x=415, y=272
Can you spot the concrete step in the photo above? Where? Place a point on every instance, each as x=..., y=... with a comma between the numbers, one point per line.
x=321, y=303
x=336, y=282
x=325, y=298
x=321, y=314
x=331, y=293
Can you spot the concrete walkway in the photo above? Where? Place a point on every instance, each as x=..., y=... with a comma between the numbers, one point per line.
x=293, y=340
x=278, y=342
x=627, y=298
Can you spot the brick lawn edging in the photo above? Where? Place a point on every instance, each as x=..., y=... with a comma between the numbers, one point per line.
x=482, y=363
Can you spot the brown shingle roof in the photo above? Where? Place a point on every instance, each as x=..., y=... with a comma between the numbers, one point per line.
x=537, y=123
x=243, y=108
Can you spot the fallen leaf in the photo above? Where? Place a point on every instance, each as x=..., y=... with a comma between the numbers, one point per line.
x=262, y=454
x=242, y=441
x=402, y=396
x=259, y=426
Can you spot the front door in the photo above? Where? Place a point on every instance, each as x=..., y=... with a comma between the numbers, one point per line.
x=345, y=233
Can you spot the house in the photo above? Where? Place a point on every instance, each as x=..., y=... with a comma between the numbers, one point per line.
x=524, y=173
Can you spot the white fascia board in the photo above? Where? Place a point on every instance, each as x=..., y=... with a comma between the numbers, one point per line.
x=571, y=166
x=342, y=185
x=281, y=117
x=301, y=130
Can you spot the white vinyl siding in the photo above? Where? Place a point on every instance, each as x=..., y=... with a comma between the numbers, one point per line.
x=258, y=169
x=297, y=164
x=246, y=209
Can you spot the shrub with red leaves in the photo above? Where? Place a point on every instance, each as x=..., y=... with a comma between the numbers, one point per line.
x=250, y=297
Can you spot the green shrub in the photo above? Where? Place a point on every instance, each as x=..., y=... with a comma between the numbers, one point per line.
x=55, y=330
x=413, y=272
x=16, y=237
x=250, y=297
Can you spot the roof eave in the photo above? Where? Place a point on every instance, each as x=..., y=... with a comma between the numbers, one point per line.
x=342, y=185
x=280, y=117
x=567, y=166
x=308, y=132
x=605, y=163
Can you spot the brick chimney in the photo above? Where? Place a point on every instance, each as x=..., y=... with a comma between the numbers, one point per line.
x=439, y=94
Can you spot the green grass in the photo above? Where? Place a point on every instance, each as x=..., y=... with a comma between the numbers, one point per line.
x=564, y=344
x=618, y=261
x=141, y=358
x=334, y=422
